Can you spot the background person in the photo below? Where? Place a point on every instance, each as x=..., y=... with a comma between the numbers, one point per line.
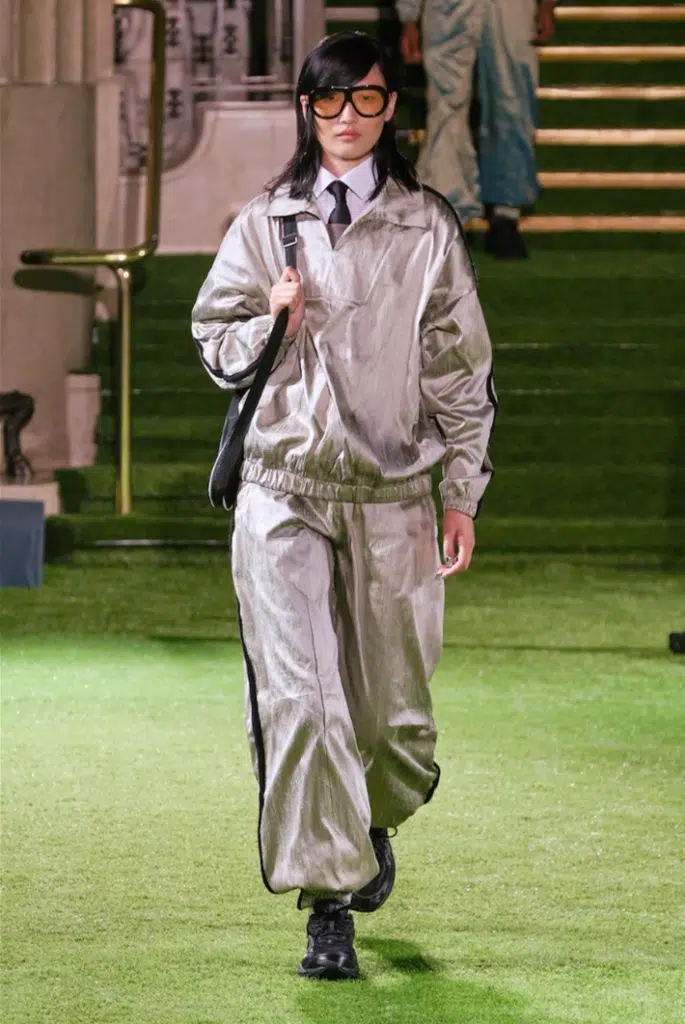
x=496, y=37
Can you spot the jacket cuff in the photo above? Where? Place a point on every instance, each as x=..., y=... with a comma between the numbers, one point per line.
x=451, y=498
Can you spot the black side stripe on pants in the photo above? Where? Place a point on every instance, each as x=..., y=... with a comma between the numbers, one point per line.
x=434, y=783
x=259, y=745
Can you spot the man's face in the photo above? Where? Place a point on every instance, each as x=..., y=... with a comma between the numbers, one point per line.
x=349, y=137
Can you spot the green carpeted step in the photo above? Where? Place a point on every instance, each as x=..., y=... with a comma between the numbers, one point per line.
x=527, y=363
x=611, y=491
x=551, y=403
x=168, y=280
x=210, y=402
x=523, y=438
x=553, y=354
x=494, y=534
x=590, y=272
x=645, y=490
x=611, y=202
x=611, y=158
x=601, y=440
x=600, y=378
x=614, y=113
x=172, y=429
x=532, y=440
x=592, y=535
x=94, y=528
x=546, y=398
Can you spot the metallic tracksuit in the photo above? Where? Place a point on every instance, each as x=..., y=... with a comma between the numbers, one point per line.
x=335, y=549
x=498, y=34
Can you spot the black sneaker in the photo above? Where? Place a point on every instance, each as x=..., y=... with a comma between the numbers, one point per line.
x=330, y=953
x=504, y=241
x=375, y=893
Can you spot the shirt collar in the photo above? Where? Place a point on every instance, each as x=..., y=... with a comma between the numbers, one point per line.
x=361, y=179
x=393, y=204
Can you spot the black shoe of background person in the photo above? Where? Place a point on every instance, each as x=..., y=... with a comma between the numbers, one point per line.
x=676, y=643
x=504, y=241
x=375, y=893
x=330, y=952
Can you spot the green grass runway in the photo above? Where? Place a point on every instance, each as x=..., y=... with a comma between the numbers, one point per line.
x=543, y=885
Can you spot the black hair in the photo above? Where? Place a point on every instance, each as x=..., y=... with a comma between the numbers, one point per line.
x=343, y=60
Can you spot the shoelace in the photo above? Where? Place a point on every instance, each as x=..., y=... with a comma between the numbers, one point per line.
x=330, y=927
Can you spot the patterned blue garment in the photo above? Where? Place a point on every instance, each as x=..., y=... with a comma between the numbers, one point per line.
x=498, y=35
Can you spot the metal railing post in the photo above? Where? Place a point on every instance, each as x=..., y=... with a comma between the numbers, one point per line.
x=124, y=462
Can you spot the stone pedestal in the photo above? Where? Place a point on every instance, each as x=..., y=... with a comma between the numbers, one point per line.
x=45, y=491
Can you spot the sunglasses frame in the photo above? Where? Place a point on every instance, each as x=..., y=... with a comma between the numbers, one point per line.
x=348, y=94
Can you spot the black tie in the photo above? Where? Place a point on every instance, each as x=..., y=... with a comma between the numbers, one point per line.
x=340, y=218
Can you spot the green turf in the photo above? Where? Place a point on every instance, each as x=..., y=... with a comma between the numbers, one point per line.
x=543, y=885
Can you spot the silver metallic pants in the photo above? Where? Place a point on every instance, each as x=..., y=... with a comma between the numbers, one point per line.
x=341, y=618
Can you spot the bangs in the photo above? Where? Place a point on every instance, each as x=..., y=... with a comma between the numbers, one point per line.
x=342, y=59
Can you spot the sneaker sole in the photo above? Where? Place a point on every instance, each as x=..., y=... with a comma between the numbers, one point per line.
x=331, y=973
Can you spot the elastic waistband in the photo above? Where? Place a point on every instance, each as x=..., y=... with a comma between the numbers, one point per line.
x=307, y=487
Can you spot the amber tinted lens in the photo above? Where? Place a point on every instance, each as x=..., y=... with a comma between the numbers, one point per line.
x=328, y=104
x=369, y=102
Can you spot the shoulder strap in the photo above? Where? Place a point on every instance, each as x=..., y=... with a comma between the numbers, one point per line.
x=289, y=236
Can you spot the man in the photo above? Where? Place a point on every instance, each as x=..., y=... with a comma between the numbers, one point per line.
x=384, y=372
x=499, y=35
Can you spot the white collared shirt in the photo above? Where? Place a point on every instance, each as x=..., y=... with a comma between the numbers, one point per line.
x=360, y=181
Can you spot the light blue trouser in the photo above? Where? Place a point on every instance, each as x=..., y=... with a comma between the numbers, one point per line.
x=498, y=34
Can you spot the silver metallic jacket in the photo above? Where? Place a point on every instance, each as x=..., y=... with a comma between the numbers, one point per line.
x=391, y=371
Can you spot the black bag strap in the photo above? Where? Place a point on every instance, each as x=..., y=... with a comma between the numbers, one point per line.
x=266, y=362
x=289, y=236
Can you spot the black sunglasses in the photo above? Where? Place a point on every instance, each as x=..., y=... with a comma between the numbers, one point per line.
x=367, y=100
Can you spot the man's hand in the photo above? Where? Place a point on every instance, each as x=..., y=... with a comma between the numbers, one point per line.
x=288, y=292
x=546, y=21
x=410, y=44
x=458, y=542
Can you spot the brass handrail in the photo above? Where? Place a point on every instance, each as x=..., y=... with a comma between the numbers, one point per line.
x=612, y=179
x=594, y=222
x=585, y=136
x=633, y=12
x=610, y=137
x=651, y=93
x=611, y=54
x=121, y=261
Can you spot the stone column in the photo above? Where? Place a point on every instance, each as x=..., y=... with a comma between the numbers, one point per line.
x=38, y=41
x=71, y=54
x=309, y=21
x=53, y=62
x=8, y=10
x=99, y=70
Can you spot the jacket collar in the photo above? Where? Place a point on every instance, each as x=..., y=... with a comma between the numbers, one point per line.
x=394, y=204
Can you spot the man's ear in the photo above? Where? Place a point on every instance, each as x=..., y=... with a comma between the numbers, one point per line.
x=392, y=103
